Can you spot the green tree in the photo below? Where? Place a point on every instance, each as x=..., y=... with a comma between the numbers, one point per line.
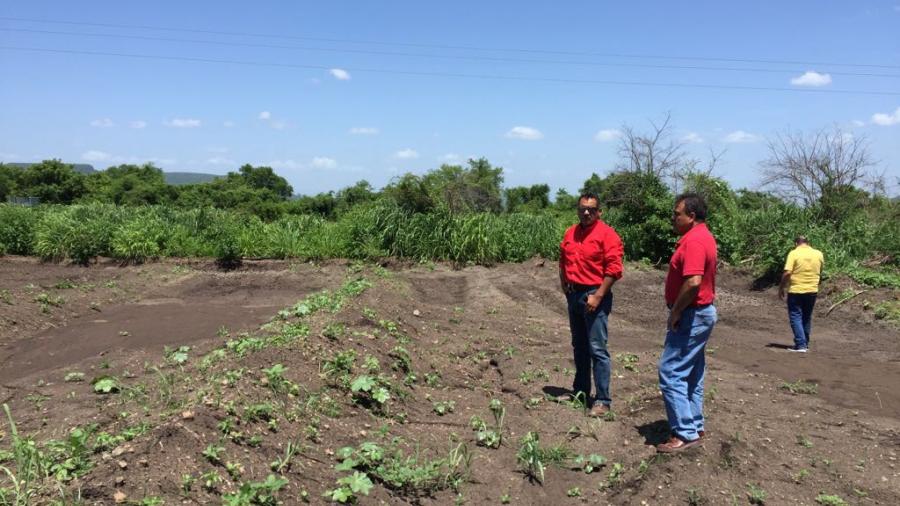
x=351, y=196
x=463, y=189
x=8, y=177
x=527, y=198
x=53, y=182
x=323, y=204
x=564, y=201
x=131, y=185
x=263, y=178
x=593, y=184
x=411, y=194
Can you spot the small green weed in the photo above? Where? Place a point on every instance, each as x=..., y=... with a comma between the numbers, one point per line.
x=801, y=387
x=830, y=500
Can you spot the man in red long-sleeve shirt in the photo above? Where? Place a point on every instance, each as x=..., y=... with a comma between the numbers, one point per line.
x=590, y=261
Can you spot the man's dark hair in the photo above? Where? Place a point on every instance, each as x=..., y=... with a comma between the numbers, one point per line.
x=801, y=239
x=693, y=204
x=589, y=195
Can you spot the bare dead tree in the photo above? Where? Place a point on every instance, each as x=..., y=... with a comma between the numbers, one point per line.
x=697, y=167
x=808, y=167
x=653, y=152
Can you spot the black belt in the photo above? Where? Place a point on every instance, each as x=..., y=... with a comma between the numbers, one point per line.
x=584, y=288
x=693, y=306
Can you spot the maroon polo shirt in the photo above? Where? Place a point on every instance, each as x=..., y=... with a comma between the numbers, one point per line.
x=695, y=254
x=588, y=254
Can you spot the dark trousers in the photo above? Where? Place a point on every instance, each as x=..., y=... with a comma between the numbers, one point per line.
x=589, y=336
x=800, y=309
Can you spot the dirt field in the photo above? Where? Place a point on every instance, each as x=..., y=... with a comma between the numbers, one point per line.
x=192, y=431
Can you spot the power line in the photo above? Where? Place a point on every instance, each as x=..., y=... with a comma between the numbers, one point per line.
x=441, y=46
x=451, y=74
x=423, y=55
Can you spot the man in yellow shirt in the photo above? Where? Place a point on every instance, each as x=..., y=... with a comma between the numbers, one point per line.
x=801, y=279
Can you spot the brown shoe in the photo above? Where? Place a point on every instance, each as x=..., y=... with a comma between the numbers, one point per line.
x=599, y=410
x=701, y=433
x=676, y=444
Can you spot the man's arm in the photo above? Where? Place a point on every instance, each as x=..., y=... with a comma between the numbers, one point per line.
x=690, y=286
x=565, y=285
x=784, y=284
x=594, y=299
x=613, y=254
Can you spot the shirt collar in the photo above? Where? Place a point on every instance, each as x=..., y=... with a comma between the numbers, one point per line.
x=693, y=229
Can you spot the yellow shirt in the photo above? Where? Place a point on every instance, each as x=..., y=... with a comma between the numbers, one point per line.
x=805, y=265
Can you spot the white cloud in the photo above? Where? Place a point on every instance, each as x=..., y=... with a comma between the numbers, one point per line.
x=692, y=138
x=858, y=123
x=886, y=119
x=183, y=123
x=287, y=164
x=137, y=124
x=323, y=162
x=811, y=78
x=228, y=124
x=406, y=154
x=524, y=133
x=264, y=115
x=340, y=74
x=103, y=123
x=279, y=125
x=606, y=135
x=220, y=160
x=95, y=156
x=741, y=137
x=449, y=157
x=363, y=131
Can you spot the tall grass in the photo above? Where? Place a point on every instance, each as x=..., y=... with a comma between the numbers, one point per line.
x=759, y=238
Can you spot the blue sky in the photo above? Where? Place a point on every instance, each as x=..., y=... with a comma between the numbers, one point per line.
x=327, y=100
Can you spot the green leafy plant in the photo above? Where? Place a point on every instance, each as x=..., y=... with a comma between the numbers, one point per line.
x=441, y=408
x=179, y=355
x=256, y=493
x=830, y=500
x=755, y=494
x=213, y=453
x=801, y=387
x=368, y=389
x=589, y=463
x=628, y=360
x=106, y=385
x=349, y=486
x=530, y=456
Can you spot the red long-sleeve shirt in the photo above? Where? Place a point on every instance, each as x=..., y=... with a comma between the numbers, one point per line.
x=587, y=255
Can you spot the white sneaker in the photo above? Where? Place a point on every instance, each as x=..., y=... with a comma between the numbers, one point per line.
x=798, y=350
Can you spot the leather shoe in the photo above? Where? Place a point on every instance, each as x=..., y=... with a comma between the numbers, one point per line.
x=599, y=410
x=676, y=444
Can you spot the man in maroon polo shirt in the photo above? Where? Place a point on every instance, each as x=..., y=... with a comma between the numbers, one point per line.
x=590, y=261
x=690, y=293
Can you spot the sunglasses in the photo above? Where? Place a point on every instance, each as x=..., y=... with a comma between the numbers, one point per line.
x=588, y=209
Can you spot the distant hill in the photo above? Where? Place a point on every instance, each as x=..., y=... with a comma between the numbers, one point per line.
x=179, y=178
x=84, y=168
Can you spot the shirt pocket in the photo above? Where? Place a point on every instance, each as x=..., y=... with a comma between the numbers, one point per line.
x=593, y=250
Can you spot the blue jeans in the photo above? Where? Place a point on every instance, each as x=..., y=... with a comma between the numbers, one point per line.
x=681, y=370
x=589, y=336
x=800, y=308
